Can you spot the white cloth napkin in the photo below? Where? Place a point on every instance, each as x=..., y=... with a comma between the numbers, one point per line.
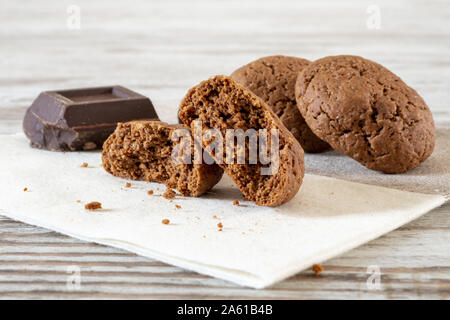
x=257, y=247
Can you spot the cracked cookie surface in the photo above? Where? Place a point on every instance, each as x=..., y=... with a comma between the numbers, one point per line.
x=273, y=79
x=142, y=150
x=366, y=112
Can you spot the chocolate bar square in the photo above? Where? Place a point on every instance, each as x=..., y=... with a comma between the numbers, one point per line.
x=82, y=119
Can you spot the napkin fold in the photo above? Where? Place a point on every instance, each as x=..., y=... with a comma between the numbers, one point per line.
x=257, y=247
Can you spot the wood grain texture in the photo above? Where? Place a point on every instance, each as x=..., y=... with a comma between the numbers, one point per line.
x=161, y=48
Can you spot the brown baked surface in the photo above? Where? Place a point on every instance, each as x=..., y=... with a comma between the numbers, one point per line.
x=273, y=79
x=221, y=103
x=366, y=112
x=142, y=150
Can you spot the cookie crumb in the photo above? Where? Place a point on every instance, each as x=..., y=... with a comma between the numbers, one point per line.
x=236, y=203
x=25, y=189
x=220, y=225
x=93, y=205
x=203, y=236
x=84, y=165
x=214, y=217
x=78, y=201
x=177, y=206
x=128, y=185
x=165, y=221
x=220, y=229
x=317, y=268
x=150, y=192
x=169, y=194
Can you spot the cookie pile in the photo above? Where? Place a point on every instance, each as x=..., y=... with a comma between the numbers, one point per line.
x=347, y=103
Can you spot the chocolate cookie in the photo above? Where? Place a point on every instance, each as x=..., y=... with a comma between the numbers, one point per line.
x=273, y=79
x=221, y=103
x=142, y=150
x=366, y=112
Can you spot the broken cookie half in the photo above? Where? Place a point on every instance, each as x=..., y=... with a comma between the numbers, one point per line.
x=266, y=162
x=144, y=150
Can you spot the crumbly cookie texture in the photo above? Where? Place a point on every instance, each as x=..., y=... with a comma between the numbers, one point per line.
x=221, y=103
x=366, y=112
x=142, y=150
x=273, y=79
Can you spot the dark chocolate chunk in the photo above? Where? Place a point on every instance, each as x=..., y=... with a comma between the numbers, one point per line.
x=82, y=119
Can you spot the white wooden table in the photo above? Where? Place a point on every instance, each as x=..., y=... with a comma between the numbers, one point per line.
x=160, y=49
